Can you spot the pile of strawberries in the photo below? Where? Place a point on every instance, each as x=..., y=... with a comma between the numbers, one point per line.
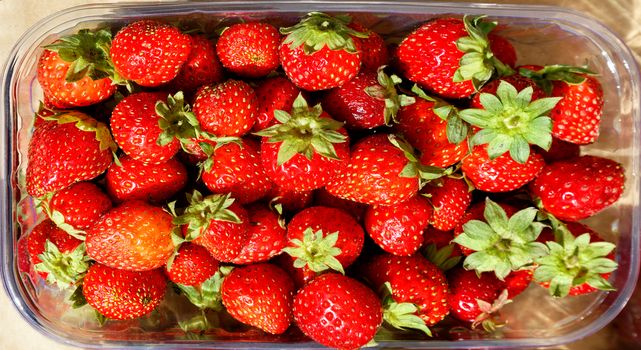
x=315, y=176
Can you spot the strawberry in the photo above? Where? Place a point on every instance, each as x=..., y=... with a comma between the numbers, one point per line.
x=398, y=229
x=268, y=236
x=78, y=206
x=226, y=109
x=202, y=66
x=322, y=238
x=518, y=281
x=501, y=174
x=476, y=212
x=439, y=250
x=337, y=311
x=206, y=294
x=517, y=81
x=260, y=295
x=22, y=256
x=326, y=199
x=75, y=71
x=249, y=49
x=73, y=147
x=121, y=294
x=305, y=150
x=374, y=52
x=154, y=183
x=578, y=188
x=367, y=101
x=291, y=201
x=276, y=93
x=149, y=52
x=320, y=52
x=469, y=291
x=452, y=57
x=560, y=150
x=134, y=236
x=450, y=198
x=192, y=265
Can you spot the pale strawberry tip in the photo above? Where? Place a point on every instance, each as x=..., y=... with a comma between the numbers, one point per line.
x=318, y=30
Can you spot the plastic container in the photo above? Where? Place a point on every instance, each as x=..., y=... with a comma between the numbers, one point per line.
x=541, y=35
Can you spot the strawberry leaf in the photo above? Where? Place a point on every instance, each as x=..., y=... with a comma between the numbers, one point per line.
x=316, y=251
x=318, y=30
x=202, y=212
x=401, y=316
x=63, y=269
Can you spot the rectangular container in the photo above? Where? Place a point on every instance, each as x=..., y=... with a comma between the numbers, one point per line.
x=541, y=35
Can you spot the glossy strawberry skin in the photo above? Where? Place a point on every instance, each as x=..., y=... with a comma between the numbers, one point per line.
x=440, y=239
x=560, y=150
x=202, y=66
x=475, y=212
x=192, y=266
x=374, y=52
x=502, y=174
x=249, y=49
x=350, y=103
x=149, y=52
x=267, y=236
x=47, y=230
x=260, y=295
x=60, y=93
x=123, y=295
x=326, y=199
x=134, y=236
x=81, y=204
x=277, y=93
x=466, y=288
x=337, y=311
x=398, y=229
x=577, y=116
x=225, y=240
x=134, y=124
x=517, y=282
x=226, y=109
x=503, y=49
x=578, y=188
x=426, y=131
x=450, y=201
x=291, y=201
x=154, y=183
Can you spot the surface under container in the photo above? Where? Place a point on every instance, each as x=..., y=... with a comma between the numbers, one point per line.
x=542, y=35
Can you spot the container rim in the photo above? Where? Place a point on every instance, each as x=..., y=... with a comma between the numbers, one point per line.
x=136, y=9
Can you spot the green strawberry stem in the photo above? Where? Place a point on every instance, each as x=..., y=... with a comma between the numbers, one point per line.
x=209, y=150
x=457, y=129
x=511, y=121
x=414, y=168
x=63, y=269
x=487, y=318
x=558, y=72
x=200, y=213
x=59, y=219
x=177, y=121
x=386, y=91
x=318, y=29
x=316, y=251
x=207, y=295
x=401, y=315
x=441, y=257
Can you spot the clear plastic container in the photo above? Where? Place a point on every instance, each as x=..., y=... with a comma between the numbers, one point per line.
x=541, y=35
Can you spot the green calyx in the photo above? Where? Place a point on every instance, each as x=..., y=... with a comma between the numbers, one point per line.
x=88, y=124
x=511, y=121
x=488, y=312
x=478, y=64
x=457, y=129
x=502, y=244
x=207, y=295
x=177, y=121
x=210, y=149
x=558, y=72
x=318, y=29
x=200, y=214
x=441, y=257
x=414, y=168
x=401, y=316
x=304, y=132
x=316, y=251
x=59, y=219
x=386, y=91
x=63, y=269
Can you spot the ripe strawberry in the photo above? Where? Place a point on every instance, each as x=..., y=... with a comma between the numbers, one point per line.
x=260, y=295
x=502, y=174
x=202, y=66
x=305, y=150
x=226, y=109
x=367, y=101
x=439, y=250
x=517, y=81
x=249, y=49
x=291, y=201
x=560, y=150
x=134, y=236
x=451, y=57
x=22, y=256
x=467, y=290
x=374, y=52
x=398, y=229
x=154, y=183
x=277, y=93
x=74, y=71
x=517, y=282
x=79, y=206
x=337, y=311
x=450, y=198
x=123, y=295
x=476, y=212
x=325, y=199
x=320, y=52
x=73, y=147
x=578, y=188
x=322, y=238
x=268, y=236
x=192, y=265
x=149, y=52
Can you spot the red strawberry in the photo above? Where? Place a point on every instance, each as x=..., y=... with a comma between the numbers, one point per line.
x=439, y=250
x=322, y=238
x=450, y=198
x=22, y=255
x=501, y=174
x=123, y=295
x=154, y=183
x=517, y=282
x=432, y=56
x=475, y=212
x=202, y=66
x=320, y=52
x=260, y=295
x=398, y=229
x=519, y=82
x=226, y=109
x=337, y=311
x=578, y=188
x=560, y=150
x=305, y=150
x=73, y=148
x=326, y=199
x=503, y=49
x=291, y=201
x=134, y=236
x=439, y=239
x=80, y=205
x=149, y=52
x=72, y=72
x=249, y=49
x=374, y=52
x=192, y=265
x=467, y=289
x=268, y=236
x=277, y=93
